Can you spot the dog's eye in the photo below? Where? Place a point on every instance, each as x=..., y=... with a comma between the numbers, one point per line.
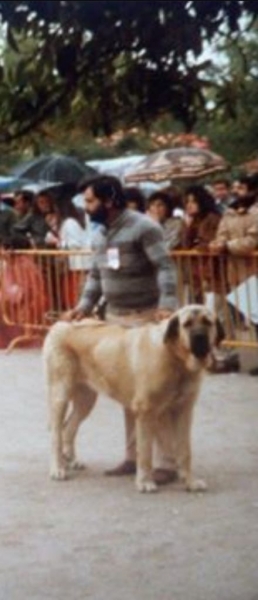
x=206, y=322
x=188, y=323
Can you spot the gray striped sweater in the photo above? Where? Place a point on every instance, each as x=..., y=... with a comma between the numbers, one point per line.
x=130, y=267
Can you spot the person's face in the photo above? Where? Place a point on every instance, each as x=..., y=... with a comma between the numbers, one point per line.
x=20, y=205
x=235, y=187
x=191, y=206
x=52, y=220
x=43, y=203
x=132, y=204
x=221, y=191
x=242, y=189
x=158, y=210
x=95, y=208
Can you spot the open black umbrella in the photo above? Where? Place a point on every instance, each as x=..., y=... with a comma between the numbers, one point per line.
x=54, y=168
x=10, y=183
x=177, y=163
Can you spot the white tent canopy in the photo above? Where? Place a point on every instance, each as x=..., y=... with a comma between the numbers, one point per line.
x=120, y=167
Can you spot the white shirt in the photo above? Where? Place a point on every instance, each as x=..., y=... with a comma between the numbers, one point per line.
x=73, y=236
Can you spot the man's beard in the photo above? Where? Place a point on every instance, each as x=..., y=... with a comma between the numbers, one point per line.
x=99, y=215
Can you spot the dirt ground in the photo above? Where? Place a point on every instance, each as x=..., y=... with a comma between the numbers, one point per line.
x=95, y=537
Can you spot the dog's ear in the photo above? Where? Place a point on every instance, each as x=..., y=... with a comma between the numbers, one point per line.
x=220, y=332
x=172, y=331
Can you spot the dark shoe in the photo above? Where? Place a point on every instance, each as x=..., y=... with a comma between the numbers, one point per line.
x=254, y=371
x=228, y=365
x=233, y=363
x=217, y=367
x=164, y=476
x=128, y=467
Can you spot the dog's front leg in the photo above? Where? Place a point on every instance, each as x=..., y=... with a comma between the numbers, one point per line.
x=144, y=441
x=58, y=412
x=183, y=434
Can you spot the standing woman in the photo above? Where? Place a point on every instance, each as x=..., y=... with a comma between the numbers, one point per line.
x=160, y=207
x=202, y=218
x=69, y=232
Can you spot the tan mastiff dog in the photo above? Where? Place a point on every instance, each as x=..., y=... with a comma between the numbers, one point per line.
x=155, y=370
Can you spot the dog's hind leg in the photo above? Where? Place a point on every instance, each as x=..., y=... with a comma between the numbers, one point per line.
x=82, y=403
x=144, y=441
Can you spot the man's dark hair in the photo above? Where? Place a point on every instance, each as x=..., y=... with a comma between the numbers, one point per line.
x=106, y=187
x=133, y=194
x=222, y=181
x=203, y=199
x=27, y=195
x=164, y=197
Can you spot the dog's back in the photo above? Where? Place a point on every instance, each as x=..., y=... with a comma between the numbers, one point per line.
x=88, y=351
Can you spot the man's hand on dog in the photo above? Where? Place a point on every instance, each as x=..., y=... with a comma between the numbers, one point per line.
x=75, y=314
x=162, y=313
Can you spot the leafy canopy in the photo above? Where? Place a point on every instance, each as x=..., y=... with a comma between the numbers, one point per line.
x=122, y=61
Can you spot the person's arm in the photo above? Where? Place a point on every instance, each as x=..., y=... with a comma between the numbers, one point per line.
x=219, y=243
x=154, y=246
x=207, y=230
x=90, y=295
x=34, y=228
x=247, y=243
x=173, y=233
x=91, y=292
x=238, y=244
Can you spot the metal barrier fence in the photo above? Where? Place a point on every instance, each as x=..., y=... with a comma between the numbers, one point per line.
x=36, y=286
x=228, y=284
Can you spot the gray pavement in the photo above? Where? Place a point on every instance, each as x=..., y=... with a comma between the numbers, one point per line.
x=95, y=537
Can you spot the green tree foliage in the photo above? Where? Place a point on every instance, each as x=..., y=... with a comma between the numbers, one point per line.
x=114, y=62
x=233, y=121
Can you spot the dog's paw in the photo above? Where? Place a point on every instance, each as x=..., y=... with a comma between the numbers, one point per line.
x=196, y=485
x=76, y=465
x=58, y=473
x=146, y=486
x=72, y=463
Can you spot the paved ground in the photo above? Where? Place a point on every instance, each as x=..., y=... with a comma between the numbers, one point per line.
x=95, y=537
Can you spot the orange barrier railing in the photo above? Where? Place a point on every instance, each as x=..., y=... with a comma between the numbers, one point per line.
x=36, y=286
x=226, y=283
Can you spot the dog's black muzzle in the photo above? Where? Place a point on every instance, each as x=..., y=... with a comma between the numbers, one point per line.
x=199, y=344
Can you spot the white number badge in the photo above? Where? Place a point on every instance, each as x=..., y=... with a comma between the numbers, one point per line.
x=113, y=258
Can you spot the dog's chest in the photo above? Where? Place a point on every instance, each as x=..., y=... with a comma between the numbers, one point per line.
x=176, y=391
